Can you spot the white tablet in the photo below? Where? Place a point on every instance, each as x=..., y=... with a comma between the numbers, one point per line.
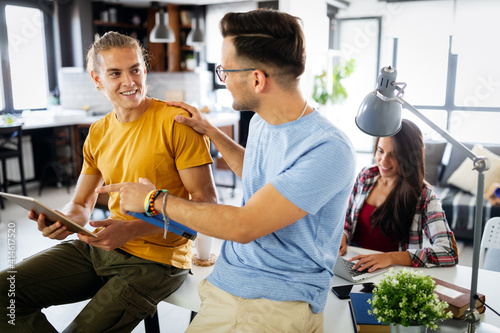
x=50, y=214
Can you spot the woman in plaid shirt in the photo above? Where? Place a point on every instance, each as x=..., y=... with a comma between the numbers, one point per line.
x=392, y=209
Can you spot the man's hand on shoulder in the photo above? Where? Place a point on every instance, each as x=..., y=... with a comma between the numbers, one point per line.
x=197, y=121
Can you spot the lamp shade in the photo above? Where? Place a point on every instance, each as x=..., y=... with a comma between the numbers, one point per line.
x=377, y=117
x=195, y=36
x=161, y=33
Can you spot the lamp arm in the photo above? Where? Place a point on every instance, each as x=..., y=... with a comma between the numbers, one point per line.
x=472, y=315
x=466, y=151
x=477, y=236
x=481, y=164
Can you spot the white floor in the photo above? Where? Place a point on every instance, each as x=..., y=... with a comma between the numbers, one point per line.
x=28, y=241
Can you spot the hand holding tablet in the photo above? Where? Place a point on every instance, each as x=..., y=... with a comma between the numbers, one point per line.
x=51, y=215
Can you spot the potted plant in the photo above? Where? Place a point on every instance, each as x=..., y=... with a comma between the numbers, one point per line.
x=338, y=93
x=406, y=301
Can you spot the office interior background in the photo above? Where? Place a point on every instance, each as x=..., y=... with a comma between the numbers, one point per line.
x=445, y=50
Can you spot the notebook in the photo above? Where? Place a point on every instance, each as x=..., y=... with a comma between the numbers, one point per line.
x=343, y=269
x=173, y=226
x=362, y=320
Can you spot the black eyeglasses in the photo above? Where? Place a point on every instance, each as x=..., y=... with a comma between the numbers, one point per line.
x=221, y=72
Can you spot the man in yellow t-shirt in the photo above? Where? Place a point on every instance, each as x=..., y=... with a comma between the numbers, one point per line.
x=154, y=147
x=129, y=267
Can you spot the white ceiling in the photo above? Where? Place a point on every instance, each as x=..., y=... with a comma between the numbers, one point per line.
x=147, y=3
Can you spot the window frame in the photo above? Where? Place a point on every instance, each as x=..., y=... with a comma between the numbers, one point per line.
x=48, y=15
x=450, y=92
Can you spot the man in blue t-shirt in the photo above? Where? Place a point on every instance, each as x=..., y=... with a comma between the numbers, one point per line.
x=297, y=171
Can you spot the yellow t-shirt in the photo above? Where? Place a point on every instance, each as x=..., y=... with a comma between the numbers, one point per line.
x=153, y=146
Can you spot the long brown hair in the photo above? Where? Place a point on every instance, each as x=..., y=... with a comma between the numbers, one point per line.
x=395, y=215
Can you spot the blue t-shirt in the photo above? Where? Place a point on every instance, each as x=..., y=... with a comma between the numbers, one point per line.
x=311, y=163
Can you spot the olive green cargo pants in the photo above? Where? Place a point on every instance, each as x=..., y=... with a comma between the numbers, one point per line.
x=123, y=289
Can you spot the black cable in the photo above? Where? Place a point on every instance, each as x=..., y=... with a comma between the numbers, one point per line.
x=480, y=300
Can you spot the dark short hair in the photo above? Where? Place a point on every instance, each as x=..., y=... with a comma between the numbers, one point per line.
x=268, y=37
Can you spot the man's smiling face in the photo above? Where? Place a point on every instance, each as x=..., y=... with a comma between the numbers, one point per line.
x=122, y=77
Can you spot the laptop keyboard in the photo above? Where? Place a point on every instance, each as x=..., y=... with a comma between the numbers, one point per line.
x=349, y=265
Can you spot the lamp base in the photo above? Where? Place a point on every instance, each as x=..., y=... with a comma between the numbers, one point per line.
x=455, y=325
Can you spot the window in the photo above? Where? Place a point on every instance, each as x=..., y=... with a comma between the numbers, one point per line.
x=358, y=39
x=445, y=52
x=25, y=81
x=2, y=102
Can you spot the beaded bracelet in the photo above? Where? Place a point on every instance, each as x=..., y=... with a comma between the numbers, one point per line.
x=146, y=201
x=166, y=219
x=150, y=208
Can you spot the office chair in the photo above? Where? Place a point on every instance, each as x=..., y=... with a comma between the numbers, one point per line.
x=56, y=166
x=11, y=146
x=490, y=240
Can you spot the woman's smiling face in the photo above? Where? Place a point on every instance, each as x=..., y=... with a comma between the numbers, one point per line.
x=385, y=158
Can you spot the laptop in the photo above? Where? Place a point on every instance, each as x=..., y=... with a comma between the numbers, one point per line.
x=343, y=269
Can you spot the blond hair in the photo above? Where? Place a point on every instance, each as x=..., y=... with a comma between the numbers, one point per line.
x=109, y=41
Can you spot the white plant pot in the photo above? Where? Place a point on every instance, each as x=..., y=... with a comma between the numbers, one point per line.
x=409, y=329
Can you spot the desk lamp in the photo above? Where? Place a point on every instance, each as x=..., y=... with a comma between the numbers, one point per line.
x=380, y=115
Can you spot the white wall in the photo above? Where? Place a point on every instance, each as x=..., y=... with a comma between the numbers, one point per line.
x=313, y=15
x=78, y=89
x=213, y=36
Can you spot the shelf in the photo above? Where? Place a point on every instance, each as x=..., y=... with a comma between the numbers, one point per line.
x=118, y=25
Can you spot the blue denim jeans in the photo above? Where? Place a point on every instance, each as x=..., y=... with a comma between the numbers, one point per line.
x=123, y=288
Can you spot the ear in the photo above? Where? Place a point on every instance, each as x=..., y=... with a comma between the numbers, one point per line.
x=96, y=79
x=260, y=80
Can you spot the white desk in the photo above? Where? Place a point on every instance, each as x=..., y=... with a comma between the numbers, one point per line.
x=337, y=317
x=75, y=120
x=187, y=295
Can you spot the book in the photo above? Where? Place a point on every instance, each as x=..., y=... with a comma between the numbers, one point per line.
x=364, y=322
x=458, y=298
x=185, y=16
x=355, y=327
x=173, y=226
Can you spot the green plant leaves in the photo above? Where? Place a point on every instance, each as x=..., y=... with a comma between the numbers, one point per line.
x=338, y=94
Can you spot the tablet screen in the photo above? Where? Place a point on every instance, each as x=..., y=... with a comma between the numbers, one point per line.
x=29, y=204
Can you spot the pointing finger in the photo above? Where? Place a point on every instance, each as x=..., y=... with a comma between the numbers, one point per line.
x=145, y=181
x=110, y=188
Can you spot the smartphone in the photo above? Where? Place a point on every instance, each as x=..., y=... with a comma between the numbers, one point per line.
x=342, y=292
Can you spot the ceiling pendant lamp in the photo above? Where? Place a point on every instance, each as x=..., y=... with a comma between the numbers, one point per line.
x=195, y=37
x=161, y=33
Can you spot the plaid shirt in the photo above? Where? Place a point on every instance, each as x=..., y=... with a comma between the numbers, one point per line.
x=429, y=224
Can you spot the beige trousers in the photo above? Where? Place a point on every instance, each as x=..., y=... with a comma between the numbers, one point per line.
x=223, y=312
